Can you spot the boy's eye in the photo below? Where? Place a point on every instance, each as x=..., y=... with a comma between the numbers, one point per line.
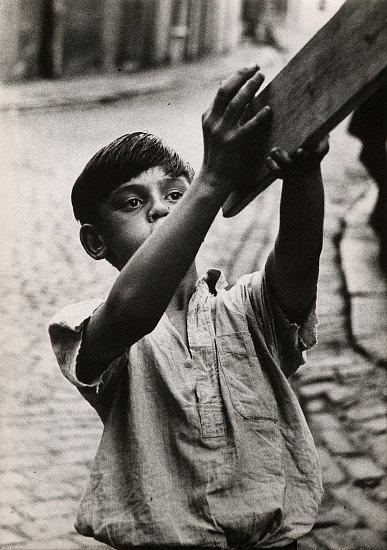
x=174, y=196
x=134, y=202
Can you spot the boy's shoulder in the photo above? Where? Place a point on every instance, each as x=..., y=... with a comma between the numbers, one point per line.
x=73, y=316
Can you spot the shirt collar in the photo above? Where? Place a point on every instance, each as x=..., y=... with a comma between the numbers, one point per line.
x=214, y=279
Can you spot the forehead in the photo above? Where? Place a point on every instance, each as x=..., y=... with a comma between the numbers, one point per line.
x=153, y=177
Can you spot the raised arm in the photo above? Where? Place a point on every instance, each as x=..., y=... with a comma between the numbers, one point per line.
x=293, y=265
x=148, y=281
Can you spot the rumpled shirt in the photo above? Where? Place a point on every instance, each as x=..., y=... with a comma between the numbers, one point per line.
x=204, y=446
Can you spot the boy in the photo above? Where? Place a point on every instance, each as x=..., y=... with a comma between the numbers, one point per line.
x=204, y=443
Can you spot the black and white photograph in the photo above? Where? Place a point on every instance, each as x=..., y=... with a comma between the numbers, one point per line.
x=193, y=291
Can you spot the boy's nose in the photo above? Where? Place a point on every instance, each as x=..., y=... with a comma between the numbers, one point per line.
x=158, y=209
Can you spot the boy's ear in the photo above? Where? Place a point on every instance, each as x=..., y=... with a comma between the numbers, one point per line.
x=93, y=242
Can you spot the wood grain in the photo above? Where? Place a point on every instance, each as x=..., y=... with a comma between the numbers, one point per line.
x=334, y=73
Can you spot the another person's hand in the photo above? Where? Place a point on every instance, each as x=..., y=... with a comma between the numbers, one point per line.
x=303, y=161
x=231, y=137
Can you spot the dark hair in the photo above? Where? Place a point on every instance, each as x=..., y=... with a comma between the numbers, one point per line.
x=116, y=163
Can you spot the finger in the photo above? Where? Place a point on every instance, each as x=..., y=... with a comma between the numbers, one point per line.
x=259, y=121
x=273, y=166
x=230, y=87
x=317, y=146
x=281, y=157
x=299, y=155
x=236, y=109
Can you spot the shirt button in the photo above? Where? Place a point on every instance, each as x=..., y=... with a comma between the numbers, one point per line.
x=189, y=364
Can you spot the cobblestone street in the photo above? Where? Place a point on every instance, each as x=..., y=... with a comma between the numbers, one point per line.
x=50, y=434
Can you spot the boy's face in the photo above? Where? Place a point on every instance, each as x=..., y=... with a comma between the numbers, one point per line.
x=134, y=209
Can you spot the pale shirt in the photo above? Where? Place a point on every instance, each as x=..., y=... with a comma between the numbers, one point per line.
x=203, y=446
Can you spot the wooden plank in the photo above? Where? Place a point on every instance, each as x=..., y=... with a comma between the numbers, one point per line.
x=336, y=71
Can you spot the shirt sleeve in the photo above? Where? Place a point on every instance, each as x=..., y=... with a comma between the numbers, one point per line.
x=66, y=331
x=287, y=341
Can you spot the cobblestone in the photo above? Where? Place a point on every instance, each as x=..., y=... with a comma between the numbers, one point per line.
x=371, y=512
x=337, y=442
x=7, y=537
x=328, y=538
x=320, y=389
x=366, y=539
x=362, y=470
x=379, y=445
x=332, y=474
x=372, y=411
x=8, y=516
x=340, y=395
x=337, y=516
x=51, y=544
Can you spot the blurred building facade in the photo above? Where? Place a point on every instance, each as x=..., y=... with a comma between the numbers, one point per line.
x=62, y=38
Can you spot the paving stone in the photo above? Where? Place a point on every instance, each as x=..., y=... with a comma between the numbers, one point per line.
x=52, y=544
x=311, y=391
x=12, y=479
x=354, y=370
x=312, y=373
x=12, y=495
x=338, y=515
x=315, y=406
x=367, y=539
x=73, y=456
x=373, y=514
x=325, y=420
x=9, y=516
x=44, y=491
x=337, y=442
x=380, y=492
x=53, y=508
x=375, y=425
x=308, y=543
x=18, y=462
x=331, y=472
x=336, y=359
x=71, y=473
x=7, y=537
x=366, y=412
x=332, y=333
x=93, y=433
x=330, y=538
x=379, y=448
x=368, y=314
x=357, y=257
x=50, y=527
x=342, y=395
x=362, y=470
x=359, y=213
x=91, y=544
x=376, y=345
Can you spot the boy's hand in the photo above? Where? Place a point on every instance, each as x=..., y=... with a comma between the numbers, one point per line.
x=231, y=136
x=303, y=161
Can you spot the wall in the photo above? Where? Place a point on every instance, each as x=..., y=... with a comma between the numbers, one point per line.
x=63, y=38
